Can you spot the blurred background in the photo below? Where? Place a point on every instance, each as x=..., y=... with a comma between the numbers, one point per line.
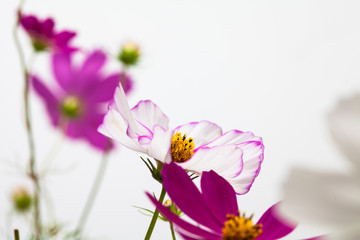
x=275, y=68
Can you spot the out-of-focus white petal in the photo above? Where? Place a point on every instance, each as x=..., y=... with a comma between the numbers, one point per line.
x=225, y=160
x=114, y=126
x=159, y=146
x=253, y=155
x=344, y=123
x=234, y=137
x=149, y=114
x=326, y=199
x=351, y=232
x=201, y=132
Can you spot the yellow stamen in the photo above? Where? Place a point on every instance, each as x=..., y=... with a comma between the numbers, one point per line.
x=181, y=148
x=240, y=228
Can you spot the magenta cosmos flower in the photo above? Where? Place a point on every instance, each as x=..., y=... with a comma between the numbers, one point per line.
x=196, y=146
x=215, y=210
x=43, y=36
x=77, y=101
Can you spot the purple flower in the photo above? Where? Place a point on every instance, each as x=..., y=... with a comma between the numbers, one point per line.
x=77, y=101
x=43, y=35
x=195, y=146
x=215, y=210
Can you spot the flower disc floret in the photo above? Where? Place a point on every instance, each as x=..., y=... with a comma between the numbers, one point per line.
x=181, y=148
x=71, y=107
x=240, y=228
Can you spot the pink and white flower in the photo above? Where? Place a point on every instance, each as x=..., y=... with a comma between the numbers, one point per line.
x=196, y=146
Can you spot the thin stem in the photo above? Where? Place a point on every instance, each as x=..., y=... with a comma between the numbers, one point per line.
x=155, y=216
x=172, y=231
x=16, y=234
x=32, y=165
x=93, y=193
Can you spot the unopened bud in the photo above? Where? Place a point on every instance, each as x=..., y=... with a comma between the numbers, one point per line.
x=129, y=54
x=21, y=199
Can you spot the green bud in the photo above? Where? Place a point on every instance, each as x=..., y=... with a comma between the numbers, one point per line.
x=39, y=46
x=129, y=54
x=22, y=199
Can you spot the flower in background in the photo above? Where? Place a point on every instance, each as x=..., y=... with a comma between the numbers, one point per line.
x=22, y=199
x=331, y=199
x=43, y=35
x=215, y=210
x=77, y=101
x=196, y=146
x=129, y=54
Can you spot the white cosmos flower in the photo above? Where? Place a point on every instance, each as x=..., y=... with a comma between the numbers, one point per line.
x=196, y=146
x=331, y=199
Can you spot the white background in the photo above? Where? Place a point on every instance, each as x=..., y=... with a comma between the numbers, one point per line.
x=275, y=68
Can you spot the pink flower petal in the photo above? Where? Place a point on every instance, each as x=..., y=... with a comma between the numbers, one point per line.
x=219, y=195
x=62, y=70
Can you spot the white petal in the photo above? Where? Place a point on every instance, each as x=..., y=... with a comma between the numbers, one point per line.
x=201, y=132
x=253, y=155
x=122, y=106
x=234, y=137
x=114, y=126
x=224, y=160
x=326, y=199
x=159, y=147
x=149, y=115
x=344, y=123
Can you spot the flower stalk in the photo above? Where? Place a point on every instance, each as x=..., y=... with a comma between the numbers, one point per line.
x=33, y=175
x=93, y=193
x=155, y=216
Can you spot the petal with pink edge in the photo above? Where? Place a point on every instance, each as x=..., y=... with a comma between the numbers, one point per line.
x=149, y=114
x=47, y=27
x=234, y=137
x=219, y=195
x=253, y=155
x=122, y=106
x=273, y=226
x=201, y=132
x=225, y=160
x=159, y=146
x=115, y=127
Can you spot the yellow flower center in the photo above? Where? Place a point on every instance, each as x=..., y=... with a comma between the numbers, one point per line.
x=240, y=228
x=181, y=148
x=71, y=107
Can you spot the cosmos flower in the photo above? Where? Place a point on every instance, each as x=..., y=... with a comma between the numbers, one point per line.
x=43, y=36
x=331, y=199
x=76, y=102
x=215, y=210
x=196, y=146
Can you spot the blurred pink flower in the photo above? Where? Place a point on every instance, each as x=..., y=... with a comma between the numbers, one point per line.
x=77, y=100
x=43, y=35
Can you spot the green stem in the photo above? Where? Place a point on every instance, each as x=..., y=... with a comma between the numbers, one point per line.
x=155, y=216
x=32, y=165
x=172, y=231
x=16, y=234
x=93, y=193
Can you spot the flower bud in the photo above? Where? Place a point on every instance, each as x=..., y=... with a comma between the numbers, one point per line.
x=129, y=54
x=21, y=199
